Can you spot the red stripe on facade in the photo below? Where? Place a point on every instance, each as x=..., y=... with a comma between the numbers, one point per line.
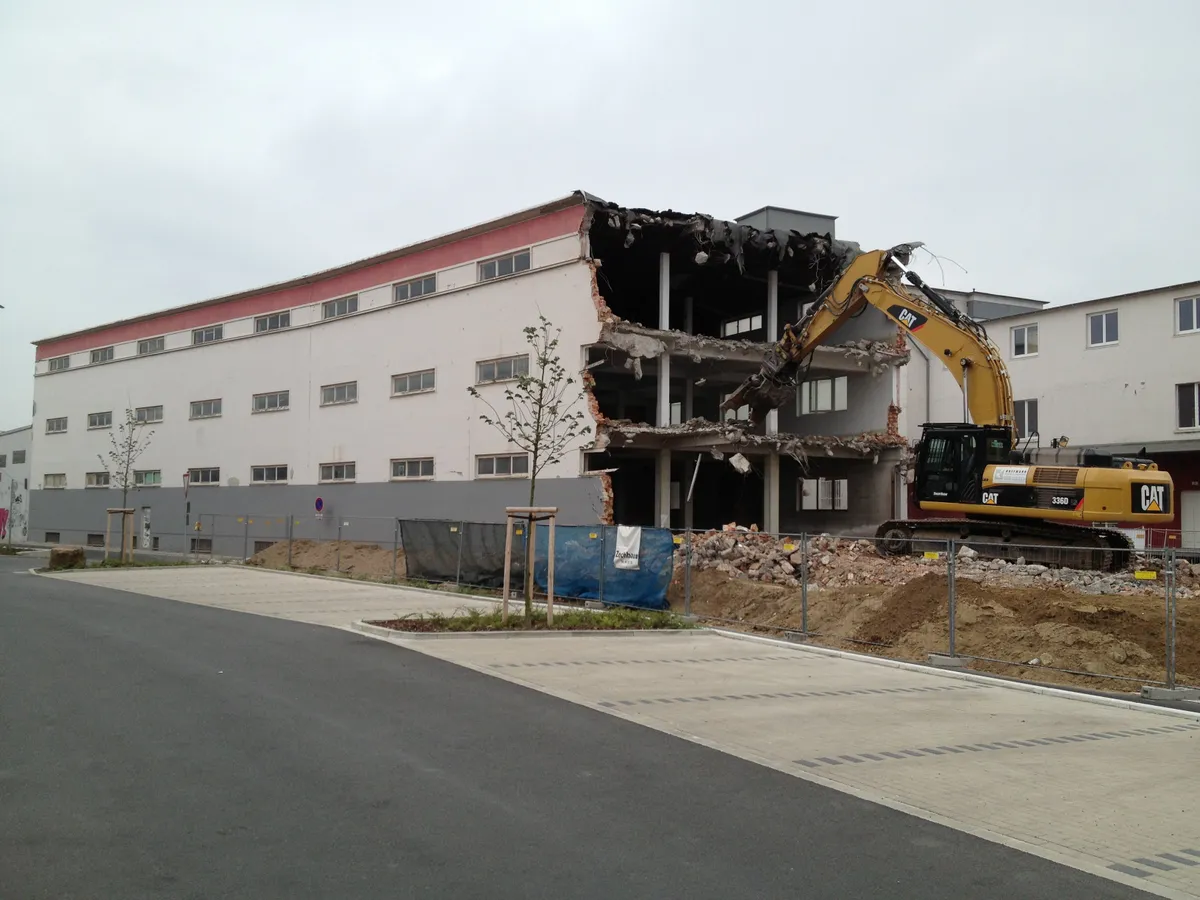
x=491, y=243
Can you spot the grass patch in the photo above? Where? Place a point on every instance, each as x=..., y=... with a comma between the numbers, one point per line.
x=140, y=563
x=6, y=550
x=565, y=619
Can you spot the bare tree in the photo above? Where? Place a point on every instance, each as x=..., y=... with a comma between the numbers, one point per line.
x=543, y=417
x=129, y=440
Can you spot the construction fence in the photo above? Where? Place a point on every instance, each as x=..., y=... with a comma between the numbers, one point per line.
x=1092, y=617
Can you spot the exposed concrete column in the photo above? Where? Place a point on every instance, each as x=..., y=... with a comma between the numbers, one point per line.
x=772, y=422
x=689, y=392
x=664, y=322
x=662, y=477
x=662, y=481
x=771, y=484
x=771, y=488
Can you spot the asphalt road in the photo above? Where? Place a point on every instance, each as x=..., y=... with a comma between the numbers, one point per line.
x=157, y=749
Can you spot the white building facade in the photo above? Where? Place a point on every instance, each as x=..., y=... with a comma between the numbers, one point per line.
x=349, y=386
x=16, y=448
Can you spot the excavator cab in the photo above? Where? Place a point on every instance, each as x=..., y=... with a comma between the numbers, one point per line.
x=951, y=459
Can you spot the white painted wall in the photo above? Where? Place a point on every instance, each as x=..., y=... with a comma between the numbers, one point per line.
x=448, y=331
x=15, y=481
x=1116, y=394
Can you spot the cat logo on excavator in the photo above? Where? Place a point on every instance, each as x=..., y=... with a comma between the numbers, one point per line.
x=910, y=319
x=1150, y=498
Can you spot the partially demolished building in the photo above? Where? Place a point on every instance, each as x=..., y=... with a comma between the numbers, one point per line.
x=688, y=306
x=349, y=388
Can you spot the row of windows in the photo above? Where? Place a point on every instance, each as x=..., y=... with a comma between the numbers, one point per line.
x=503, y=465
x=402, y=292
x=18, y=458
x=331, y=394
x=1103, y=327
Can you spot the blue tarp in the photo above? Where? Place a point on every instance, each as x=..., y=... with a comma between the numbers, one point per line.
x=583, y=565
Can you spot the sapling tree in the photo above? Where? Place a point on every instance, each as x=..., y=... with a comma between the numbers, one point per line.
x=543, y=416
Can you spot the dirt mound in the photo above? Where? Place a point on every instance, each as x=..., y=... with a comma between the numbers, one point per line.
x=351, y=557
x=1120, y=635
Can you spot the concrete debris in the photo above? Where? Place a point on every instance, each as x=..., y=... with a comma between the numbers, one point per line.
x=639, y=342
x=743, y=553
x=740, y=463
x=716, y=242
x=736, y=434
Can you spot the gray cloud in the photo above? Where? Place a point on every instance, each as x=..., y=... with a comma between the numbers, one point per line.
x=155, y=154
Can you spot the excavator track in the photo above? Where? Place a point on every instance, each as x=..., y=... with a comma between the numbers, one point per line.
x=1047, y=543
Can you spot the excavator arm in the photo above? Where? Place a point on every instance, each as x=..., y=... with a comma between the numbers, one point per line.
x=874, y=279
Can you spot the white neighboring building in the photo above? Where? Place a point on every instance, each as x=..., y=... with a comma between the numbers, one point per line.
x=16, y=448
x=1115, y=374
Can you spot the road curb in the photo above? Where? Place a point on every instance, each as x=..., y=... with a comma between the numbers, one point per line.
x=392, y=634
x=1111, y=702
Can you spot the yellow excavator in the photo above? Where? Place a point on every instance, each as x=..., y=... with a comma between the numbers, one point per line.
x=1049, y=506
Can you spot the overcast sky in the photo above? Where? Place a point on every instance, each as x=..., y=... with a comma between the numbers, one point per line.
x=154, y=154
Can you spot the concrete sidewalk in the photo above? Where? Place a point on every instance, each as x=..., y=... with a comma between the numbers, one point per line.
x=320, y=601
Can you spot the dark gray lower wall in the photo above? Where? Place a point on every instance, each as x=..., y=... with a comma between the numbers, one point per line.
x=870, y=502
x=235, y=517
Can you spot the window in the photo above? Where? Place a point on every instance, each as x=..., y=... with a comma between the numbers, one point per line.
x=148, y=478
x=148, y=414
x=741, y=326
x=1025, y=340
x=205, y=409
x=262, y=546
x=56, y=426
x=59, y=363
x=273, y=322
x=100, y=420
x=269, y=474
x=272, y=402
x=676, y=413
x=95, y=540
x=1189, y=405
x=505, y=369
x=822, y=493
x=504, y=265
x=1187, y=316
x=97, y=480
x=52, y=537
x=1027, y=418
x=337, y=471
x=54, y=482
x=412, y=468
x=3, y=460
x=822, y=395
x=331, y=309
x=1102, y=328
x=204, y=476
x=208, y=335
x=332, y=394
x=104, y=354
x=412, y=382
x=152, y=345
x=411, y=290
x=506, y=466
x=18, y=457
x=201, y=545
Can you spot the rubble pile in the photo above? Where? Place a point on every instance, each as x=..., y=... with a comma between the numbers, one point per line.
x=839, y=562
